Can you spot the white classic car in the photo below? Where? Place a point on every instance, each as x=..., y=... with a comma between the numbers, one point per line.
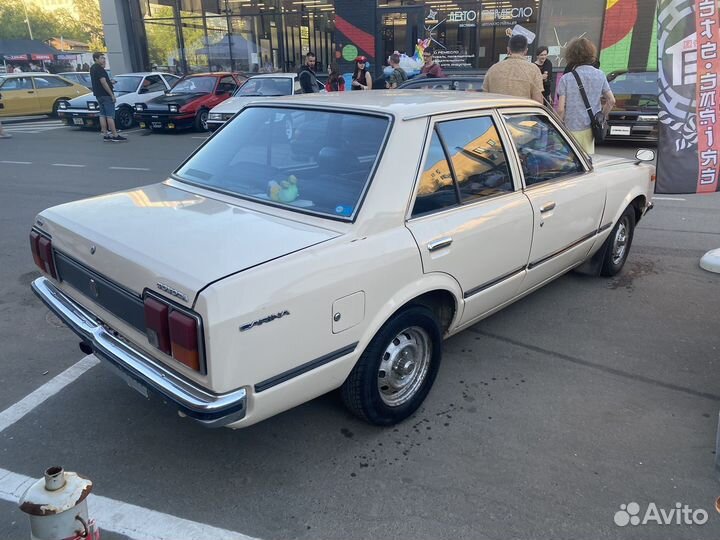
x=130, y=88
x=281, y=268
x=256, y=88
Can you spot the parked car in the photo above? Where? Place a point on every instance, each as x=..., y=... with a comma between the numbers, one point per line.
x=35, y=93
x=256, y=88
x=635, y=115
x=454, y=82
x=79, y=77
x=130, y=88
x=188, y=103
x=271, y=278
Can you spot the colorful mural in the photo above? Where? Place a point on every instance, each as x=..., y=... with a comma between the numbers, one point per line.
x=629, y=38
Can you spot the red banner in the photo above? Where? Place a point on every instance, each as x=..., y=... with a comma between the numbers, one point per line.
x=708, y=94
x=22, y=57
x=46, y=57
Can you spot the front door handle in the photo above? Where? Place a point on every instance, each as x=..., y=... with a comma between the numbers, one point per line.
x=439, y=244
x=31, y=91
x=547, y=207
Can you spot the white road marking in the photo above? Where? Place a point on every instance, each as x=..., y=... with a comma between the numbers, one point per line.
x=66, y=165
x=668, y=199
x=128, y=168
x=15, y=412
x=17, y=162
x=126, y=519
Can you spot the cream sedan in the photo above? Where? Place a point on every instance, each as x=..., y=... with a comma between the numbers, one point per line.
x=281, y=268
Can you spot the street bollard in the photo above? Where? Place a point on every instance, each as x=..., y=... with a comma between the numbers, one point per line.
x=57, y=507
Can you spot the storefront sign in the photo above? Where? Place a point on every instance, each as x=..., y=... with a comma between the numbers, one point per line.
x=689, y=146
x=46, y=57
x=22, y=57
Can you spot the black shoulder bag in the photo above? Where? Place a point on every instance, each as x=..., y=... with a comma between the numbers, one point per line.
x=598, y=122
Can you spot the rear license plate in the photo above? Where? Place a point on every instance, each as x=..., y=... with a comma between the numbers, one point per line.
x=619, y=130
x=131, y=382
x=156, y=124
x=78, y=121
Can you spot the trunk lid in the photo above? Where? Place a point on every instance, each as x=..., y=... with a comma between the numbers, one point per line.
x=160, y=236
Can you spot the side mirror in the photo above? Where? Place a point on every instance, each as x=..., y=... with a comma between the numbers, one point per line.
x=645, y=154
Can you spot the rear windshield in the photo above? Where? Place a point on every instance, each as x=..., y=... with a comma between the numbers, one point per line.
x=266, y=86
x=307, y=160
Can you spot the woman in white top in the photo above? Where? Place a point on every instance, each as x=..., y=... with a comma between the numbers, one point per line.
x=571, y=108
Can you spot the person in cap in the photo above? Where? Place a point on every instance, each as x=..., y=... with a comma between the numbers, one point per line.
x=515, y=76
x=361, y=79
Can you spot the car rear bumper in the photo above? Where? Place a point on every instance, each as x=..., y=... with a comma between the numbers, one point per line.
x=211, y=410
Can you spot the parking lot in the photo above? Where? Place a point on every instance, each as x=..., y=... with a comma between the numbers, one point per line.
x=589, y=394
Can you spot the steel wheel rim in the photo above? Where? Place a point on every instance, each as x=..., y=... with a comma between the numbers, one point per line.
x=203, y=120
x=404, y=366
x=124, y=119
x=620, y=240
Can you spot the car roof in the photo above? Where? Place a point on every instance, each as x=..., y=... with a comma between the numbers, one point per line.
x=271, y=75
x=29, y=74
x=73, y=73
x=406, y=104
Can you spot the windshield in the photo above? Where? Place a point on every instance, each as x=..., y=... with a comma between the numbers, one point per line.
x=193, y=85
x=266, y=86
x=309, y=160
x=126, y=84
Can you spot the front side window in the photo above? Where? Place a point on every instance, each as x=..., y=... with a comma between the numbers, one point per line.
x=227, y=84
x=266, y=86
x=153, y=83
x=478, y=158
x=544, y=153
x=307, y=160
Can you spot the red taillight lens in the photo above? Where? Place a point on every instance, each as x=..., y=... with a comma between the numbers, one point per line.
x=42, y=253
x=184, y=339
x=173, y=332
x=156, y=324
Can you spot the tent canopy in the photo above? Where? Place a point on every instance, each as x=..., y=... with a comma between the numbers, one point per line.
x=20, y=47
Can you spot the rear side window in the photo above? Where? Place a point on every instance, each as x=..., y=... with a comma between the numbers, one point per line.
x=479, y=165
x=544, y=153
x=50, y=82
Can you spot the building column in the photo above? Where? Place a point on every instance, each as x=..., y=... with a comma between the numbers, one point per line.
x=124, y=36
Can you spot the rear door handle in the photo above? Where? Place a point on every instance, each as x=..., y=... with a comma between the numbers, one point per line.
x=547, y=207
x=439, y=244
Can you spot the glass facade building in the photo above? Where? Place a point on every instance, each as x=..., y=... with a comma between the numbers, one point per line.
x=186, y=36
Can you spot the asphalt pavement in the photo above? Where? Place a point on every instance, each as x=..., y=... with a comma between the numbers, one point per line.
x=589, y=394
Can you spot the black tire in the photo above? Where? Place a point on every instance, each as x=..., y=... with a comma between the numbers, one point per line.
x=384, y=397
x=201, y=120
x=618, y=244
x=54, y=112
x=124, y=118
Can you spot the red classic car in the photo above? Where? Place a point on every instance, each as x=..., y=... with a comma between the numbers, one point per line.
x=187, y=103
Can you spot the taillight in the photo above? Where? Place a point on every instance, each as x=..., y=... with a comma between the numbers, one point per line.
x=156, y=324
x=41, y=248
x=172, y=331
x=184, y=339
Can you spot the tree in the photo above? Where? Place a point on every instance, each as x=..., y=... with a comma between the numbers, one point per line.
x=44, y=24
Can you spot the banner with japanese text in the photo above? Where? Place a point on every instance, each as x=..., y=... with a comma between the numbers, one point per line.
x=689, y=67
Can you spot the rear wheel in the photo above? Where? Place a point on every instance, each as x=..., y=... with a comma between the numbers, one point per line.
x=619, y=243
x=395, y=373
x=124, y=118
x=201, y=120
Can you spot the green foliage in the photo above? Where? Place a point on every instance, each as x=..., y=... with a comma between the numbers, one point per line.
x=46, y=24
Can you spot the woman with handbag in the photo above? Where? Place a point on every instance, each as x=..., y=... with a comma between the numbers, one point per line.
x=584, y=96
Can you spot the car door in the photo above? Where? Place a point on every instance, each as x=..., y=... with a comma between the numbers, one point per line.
x=50, y=88
x=18, y=96
x=469, y=216
x=567, y=204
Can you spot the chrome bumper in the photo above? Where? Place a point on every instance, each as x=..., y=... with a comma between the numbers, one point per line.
x=211, y=410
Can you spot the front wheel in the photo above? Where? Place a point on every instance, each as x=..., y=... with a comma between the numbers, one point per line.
x=201, y=120
x=124, y=118
x=619, y=243
x=395, y=373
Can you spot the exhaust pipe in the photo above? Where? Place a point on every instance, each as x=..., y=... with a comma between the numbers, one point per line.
x=85, y=347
